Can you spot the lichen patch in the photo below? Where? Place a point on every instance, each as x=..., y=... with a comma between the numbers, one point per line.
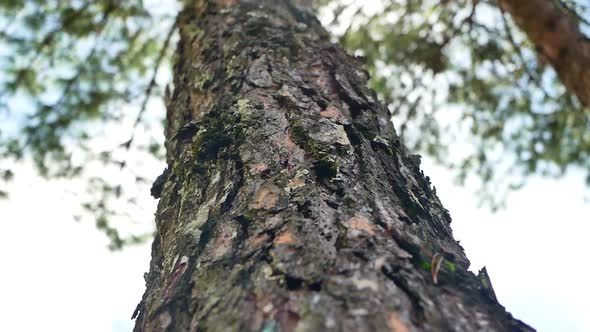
x=202, y=215
x=193, y=228
x=363, y=283
x=330, y=133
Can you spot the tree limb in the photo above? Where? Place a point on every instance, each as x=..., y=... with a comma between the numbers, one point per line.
x=556, y=34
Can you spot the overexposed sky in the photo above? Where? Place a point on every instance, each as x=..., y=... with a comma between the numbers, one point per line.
x=57, y=274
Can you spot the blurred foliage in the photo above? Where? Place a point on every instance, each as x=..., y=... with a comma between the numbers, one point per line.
x=466, y=87
x=80, y=78
x=73, y=74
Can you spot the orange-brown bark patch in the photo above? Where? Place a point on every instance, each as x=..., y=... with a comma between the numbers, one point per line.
x=396, y=324
x=361, y=223
x=258, y=168
x=331, y=112
x=286, y=237
x=266, y=198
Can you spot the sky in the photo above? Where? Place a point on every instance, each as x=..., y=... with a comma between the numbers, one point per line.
x=534, y=249
x=58, y=274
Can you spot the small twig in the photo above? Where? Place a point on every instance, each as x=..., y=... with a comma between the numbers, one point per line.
x=150, y=87
x=435, y=264
x=578, y=16
x=517, y=49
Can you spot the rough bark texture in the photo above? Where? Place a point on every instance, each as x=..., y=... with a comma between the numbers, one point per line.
x=289, y=203
x=556, y=34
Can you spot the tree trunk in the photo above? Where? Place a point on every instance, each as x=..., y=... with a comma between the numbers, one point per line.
x=556, y=34
x=289, y=203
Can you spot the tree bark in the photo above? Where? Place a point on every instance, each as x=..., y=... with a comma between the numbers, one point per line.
x=556, y=34
x=289, y=203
